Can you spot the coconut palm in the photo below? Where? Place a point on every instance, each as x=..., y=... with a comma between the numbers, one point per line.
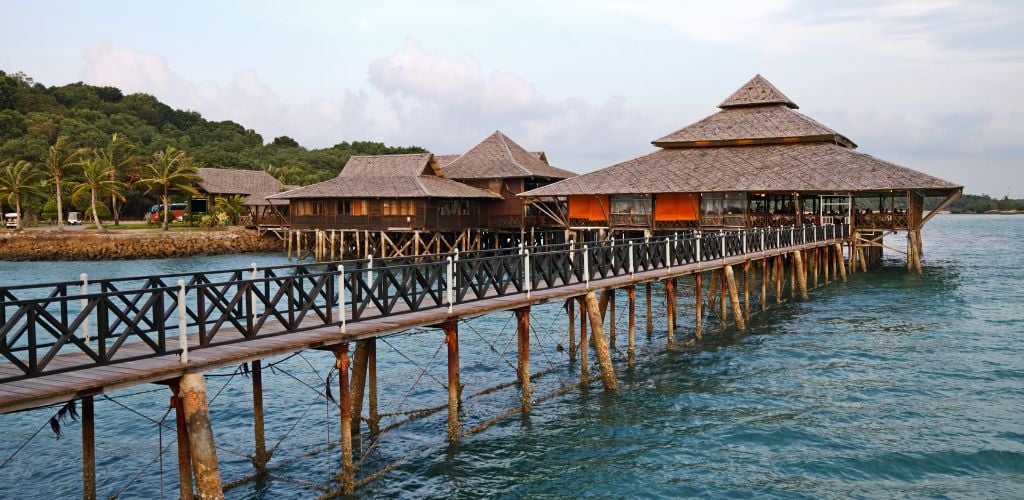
x=58, y=162
x=97, y=181
x=120, y=155
x=232, y=206
x=18, y=180
x=168, y=172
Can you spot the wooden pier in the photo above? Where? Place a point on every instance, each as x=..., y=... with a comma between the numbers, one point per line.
x=75, y=340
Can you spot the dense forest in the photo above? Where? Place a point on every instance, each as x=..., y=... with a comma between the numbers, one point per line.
x=33, y=117
x=979, y=204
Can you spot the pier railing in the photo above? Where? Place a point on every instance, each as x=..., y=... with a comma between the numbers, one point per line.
x=125, y=319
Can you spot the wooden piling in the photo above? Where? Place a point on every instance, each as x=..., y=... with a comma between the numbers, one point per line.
x=88, y=449
x=764, y=285
x=713, y=290
x=570, y=308
x=611, y=318
x=801, y=275
x=698, y=292
x=584, y=369
x=260, y=456
x=203, y=452
x=734, y=297
x=360, y=361
x=839, y=262
x=373, y=420
x=604, y=357
x=341, y=362
x=451, y=338
x=723, y=299
x=670, y=306
x=649, y=318
x=631, y=341
x=523, y=366
x=185, y=489
x=746, y=289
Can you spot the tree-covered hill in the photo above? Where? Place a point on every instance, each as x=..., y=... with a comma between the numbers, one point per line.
x=33, y=115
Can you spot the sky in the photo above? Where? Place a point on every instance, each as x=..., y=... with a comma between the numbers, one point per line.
x=933, y=85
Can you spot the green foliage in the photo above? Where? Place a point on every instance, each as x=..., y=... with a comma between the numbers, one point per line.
x=33, y=115
x=979, y=204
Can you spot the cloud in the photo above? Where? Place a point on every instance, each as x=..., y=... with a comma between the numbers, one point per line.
x=244, y=99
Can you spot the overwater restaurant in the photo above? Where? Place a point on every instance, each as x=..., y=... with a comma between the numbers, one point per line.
x=756, y=162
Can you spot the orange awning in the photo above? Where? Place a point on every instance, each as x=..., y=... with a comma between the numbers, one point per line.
x=676, y=206
x=589, y=207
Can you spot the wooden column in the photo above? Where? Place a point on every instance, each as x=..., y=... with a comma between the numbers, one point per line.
x=371, y=368
x=185, y=491
x=801, y=274
x=358, y=385
x=570, y=307
x=260, y=455
x=650, y=319
x=792, y=278
x=670, y=305
x=631, y=341
x=451, y=337
x=604, y=358
x=523, y=367
x=192, y=391
x=734, y=298
x=698, y=292
x=611, y=318
x=746, y=289
x=713, y=290
x=723, y=298
x=764, y=285
x=88, y=449
x=584, y=369
x=839, y=262
x=341, y=362
x=778, y=279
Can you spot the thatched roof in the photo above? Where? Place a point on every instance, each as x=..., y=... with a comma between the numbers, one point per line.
x=757, y=92
x=444, y=160
x=254, y=185
x=387, y=176
x=756, y=143
x=498, y=157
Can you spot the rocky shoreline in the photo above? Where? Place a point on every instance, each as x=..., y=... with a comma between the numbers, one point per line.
x=130, y=244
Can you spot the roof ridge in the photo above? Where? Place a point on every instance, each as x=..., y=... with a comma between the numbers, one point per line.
x=508, y=151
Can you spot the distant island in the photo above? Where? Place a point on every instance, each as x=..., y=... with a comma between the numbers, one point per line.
x=985, y=204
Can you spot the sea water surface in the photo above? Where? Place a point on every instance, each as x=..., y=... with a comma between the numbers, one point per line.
x=891, y=385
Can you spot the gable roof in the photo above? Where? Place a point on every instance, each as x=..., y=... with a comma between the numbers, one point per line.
x=752, y=125
x=225, y=181
x=757, y=92
x=498, y=157
x=387, y=176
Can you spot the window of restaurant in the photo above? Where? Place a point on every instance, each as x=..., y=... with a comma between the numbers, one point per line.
x=723, y=203
x=630, y=205
x=352, y=207
x=398, y=207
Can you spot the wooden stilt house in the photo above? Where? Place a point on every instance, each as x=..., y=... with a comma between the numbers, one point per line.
x=756, y=162
x=253, y=186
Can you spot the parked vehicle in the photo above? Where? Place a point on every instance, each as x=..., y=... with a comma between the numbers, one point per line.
x=156, y=212
x=11, y=220
x=73, y=219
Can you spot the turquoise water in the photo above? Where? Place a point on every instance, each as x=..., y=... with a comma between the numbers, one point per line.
x=891, y=385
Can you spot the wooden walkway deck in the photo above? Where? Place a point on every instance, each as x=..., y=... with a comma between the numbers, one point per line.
x=54, y=388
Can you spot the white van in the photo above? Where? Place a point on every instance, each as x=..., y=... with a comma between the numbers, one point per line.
x=73, y=219
x=11, y=220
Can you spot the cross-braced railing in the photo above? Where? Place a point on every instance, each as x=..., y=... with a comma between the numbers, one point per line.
x=124, y=319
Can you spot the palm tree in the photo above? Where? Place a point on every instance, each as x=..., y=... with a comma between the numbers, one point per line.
x=17, y=180
x=232, y=206
x=170, y=171
x=97, y=180
x=120, y=155
x=58, y=162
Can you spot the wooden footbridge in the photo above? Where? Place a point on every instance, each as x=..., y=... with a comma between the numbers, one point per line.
x=75, y=340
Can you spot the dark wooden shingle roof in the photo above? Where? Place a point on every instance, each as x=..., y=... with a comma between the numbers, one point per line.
x=757, y=92
x=498, y=157
x=254, y=185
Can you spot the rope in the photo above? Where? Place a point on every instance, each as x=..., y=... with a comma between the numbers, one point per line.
x=23, y=445
x=400, y=353
x=491, y=346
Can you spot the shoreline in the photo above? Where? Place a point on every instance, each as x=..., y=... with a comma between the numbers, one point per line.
x=79, y=245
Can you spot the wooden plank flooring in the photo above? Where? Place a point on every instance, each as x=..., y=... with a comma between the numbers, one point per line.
x=59, y=387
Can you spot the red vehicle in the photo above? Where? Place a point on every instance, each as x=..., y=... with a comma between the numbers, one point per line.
x=156, y=212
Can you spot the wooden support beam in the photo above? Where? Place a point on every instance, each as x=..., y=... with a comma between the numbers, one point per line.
x=698, y=292
x=734, y=298
x=723, y=302
x=764, y=285
x=260, y=455
x=611, y=317
x=88, y=449
x=360, y=362
x=604, y=358
x=801, y=274
x=451, y=338
x=778, y=279
x=373, y=421
x=839, y=262
x=523, y=366
x=649, y=318
x=203, y=451
x=570, y=309
x=584, y=369
x=631, y=341
x=185, y=489
x=746, y=289
x=341, y=362
x=670, y=306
